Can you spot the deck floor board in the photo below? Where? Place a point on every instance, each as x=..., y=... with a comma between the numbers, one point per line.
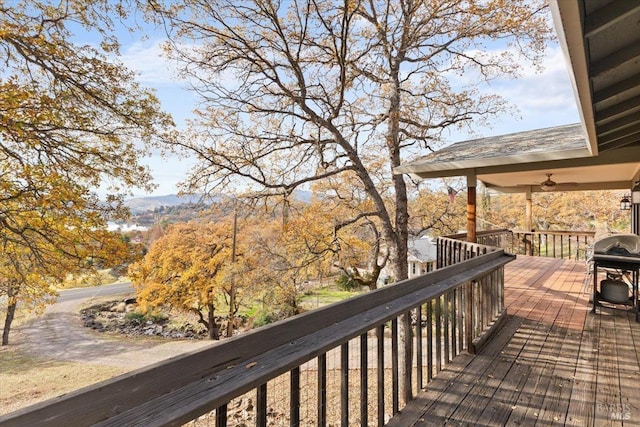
x=553, y=363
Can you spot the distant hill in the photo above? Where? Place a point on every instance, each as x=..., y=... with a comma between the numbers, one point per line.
x=143, y=204
x=150, y=203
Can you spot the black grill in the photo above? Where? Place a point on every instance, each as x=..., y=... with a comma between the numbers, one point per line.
x=621, y=245
x=620, y=252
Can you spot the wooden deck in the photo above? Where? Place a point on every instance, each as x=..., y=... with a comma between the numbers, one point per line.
x=553, y=363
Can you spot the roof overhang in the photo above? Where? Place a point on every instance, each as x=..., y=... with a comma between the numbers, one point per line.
x=519, y=174
x=601, y=43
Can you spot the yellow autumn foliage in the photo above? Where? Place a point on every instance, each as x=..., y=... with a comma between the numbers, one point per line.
x=72, y=118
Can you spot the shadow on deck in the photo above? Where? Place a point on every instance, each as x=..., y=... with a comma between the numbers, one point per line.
x=552, y=363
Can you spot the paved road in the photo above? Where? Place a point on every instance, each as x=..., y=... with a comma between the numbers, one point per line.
x=59, y=334
x=97, y=291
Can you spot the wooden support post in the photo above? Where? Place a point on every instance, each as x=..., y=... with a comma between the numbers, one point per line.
x=528, y=211
x=471, y=208
x=528, y=244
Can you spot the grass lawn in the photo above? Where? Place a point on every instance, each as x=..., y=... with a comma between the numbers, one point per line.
x=25, y=380
x=324, y=295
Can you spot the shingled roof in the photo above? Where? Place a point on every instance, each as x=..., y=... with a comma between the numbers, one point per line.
x=519, y=162
x=560, y=142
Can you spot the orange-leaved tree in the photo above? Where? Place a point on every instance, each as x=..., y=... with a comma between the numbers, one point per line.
x=192, y=268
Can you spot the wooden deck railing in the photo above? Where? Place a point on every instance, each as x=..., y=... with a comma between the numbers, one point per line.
x=338, y=365
x=454, y=249
x=555, y=244
x=451, y=251
x=500, y=238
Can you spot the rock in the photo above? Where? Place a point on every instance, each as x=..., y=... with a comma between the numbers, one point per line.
x=121, y=307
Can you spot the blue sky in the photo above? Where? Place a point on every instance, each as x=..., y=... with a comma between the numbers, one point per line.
x=539, y=100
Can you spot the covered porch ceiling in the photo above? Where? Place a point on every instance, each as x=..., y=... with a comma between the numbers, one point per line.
x=601, y=43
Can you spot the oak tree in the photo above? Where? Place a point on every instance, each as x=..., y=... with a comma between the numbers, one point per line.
x=72, y=119
x=193, y=268
x=297, y=92
x=301, y=91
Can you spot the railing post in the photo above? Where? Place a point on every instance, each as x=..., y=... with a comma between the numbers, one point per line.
x=294, y=400
x=438, y=315
x=322, y=390
x=221, y=416
x=469, y=315
x=364, y=380
x=460, y=321
x=261, y=406
x=344, y=384
x=429, y=327
x=528, y=244
x=419, y=375
x=407, y=335
x=395, y=390
x=380, y=369
x=447, y=335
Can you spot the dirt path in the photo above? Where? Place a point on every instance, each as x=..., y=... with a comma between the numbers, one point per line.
x=59, y=334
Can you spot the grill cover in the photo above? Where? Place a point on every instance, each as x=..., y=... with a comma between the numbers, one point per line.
x=625, y=245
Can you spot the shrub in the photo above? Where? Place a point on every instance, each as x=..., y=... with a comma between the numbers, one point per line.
x=347, y=282
x=135, y=317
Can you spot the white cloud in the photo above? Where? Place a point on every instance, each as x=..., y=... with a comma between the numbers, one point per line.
x=546, y=93
x=148, y=60
x=538, y=99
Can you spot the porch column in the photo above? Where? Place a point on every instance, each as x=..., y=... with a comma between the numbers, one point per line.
x=635, y=212
x=528, y=211
x=471, y=207
x=528, y=221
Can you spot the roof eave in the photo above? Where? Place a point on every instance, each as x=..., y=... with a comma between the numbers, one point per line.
x=567, y=19
x=422, y=169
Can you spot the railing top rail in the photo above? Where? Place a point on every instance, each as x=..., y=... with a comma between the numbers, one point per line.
x=459, y=236
x=472, y=244
x=181, y=388
x=557, y=232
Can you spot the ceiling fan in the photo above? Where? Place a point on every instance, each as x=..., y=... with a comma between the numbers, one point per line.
x=549, y=184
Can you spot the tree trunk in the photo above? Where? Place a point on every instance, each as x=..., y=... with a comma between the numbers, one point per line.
x=232, y=310
x=232, y=291
x=214, y=330
x=399, y=252
x=11, y=311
